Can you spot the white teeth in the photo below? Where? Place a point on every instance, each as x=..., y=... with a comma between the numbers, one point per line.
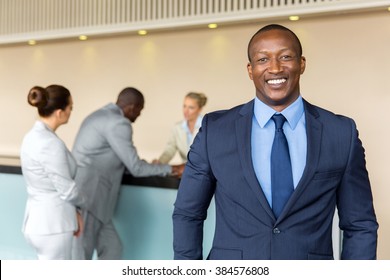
x=277, y=81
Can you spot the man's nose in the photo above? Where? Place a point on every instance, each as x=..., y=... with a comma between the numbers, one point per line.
x=274, y=66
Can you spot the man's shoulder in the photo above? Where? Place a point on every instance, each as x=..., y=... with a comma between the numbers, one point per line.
x=106, y=110
x=232, y=113
x=107, y=118
x=325, y=114
x=108, y=113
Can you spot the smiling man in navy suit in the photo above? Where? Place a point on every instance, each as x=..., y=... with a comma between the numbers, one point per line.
x=232, y=159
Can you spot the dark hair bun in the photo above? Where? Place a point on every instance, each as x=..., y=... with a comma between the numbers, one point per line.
x=37, y=97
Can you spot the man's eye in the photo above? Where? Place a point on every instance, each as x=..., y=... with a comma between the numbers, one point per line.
x=262, y=59
x=286, y=57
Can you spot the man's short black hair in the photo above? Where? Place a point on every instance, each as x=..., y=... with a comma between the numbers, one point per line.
x=275, y=27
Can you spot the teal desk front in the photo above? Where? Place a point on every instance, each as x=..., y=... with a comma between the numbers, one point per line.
x=143, y=218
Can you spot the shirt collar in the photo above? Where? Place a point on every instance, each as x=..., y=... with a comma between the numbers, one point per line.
x=197, y=124
x=117, y=108
x=40, y=124
x=292, y=113
x=199, y=121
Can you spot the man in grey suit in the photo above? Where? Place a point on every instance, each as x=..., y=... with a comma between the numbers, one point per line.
x=104, y=145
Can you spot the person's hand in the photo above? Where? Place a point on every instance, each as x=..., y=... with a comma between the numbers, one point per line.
x=80, y=224
x=177, y=170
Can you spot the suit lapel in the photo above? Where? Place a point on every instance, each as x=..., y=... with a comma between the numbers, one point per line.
x=243, y=137
x=313, y=134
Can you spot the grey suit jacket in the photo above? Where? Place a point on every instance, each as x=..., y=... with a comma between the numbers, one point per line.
x=49, y=170
x=105, y=147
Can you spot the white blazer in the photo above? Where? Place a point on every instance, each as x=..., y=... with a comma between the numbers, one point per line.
x=178, y=141
x=49, y=170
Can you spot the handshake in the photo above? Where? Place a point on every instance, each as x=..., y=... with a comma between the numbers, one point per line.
x=177, y=170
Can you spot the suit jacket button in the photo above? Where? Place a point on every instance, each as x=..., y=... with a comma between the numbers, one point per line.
x=276, y=231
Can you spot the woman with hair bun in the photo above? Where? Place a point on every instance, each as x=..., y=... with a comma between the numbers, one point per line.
x=184, y=132
x=51, y=218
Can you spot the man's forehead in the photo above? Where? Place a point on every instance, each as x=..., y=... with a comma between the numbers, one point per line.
x=269, y=36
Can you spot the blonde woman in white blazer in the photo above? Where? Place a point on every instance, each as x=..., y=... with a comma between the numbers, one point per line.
x=184, y=132
x=51, y=220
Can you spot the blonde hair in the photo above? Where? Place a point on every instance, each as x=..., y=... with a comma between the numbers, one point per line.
x=200, y=98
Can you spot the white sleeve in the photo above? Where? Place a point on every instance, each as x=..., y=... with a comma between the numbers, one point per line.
x=56, y=161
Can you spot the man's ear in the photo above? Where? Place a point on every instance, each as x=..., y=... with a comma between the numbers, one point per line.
x=303, y=64
x=129, y=107
x=249, y=67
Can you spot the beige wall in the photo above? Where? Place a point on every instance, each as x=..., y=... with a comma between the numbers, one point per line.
x=348, y=70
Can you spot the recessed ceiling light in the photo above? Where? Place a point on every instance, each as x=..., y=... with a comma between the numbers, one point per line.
x=212, y=25
x=142, y=32
x=83, y=37
x=293, y=18
x=32, y=42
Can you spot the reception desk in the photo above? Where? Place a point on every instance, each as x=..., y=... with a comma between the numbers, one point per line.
x=143, y=217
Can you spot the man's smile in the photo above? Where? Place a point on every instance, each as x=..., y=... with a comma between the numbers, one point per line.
x=276, y=81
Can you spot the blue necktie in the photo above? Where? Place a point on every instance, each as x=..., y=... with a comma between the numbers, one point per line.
x=281, y=173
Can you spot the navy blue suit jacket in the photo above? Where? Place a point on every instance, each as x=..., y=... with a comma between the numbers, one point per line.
x=220, y=165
